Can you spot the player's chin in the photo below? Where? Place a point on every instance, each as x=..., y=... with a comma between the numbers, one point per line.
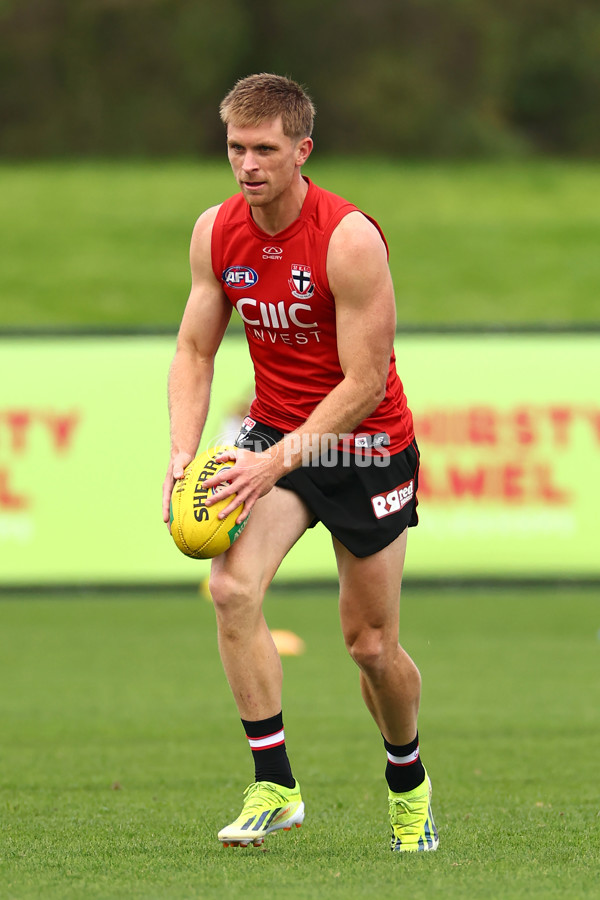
x=256, y=195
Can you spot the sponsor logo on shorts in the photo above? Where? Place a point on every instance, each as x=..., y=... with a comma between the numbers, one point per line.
x=329, y=450
x=240, y=277
x=364, y=441
x=393, y=501
x=247, y=426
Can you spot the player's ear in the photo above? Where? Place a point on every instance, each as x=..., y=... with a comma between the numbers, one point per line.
x=303, y=150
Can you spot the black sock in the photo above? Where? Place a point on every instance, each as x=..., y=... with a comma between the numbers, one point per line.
x=404, y=770
x=267, y=742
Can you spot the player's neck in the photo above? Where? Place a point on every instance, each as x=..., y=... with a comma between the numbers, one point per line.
x=275, y=217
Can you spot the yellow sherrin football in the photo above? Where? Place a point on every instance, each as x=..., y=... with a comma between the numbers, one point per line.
x=195, y=527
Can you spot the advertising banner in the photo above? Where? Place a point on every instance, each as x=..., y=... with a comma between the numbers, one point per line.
x=508, y=426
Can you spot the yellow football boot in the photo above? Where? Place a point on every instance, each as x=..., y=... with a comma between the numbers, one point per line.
x=268, y=807
x=412, y=823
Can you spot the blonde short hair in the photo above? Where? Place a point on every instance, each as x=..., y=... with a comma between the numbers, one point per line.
x=264, y=97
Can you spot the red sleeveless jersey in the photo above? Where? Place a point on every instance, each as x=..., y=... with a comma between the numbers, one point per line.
x=278, y=285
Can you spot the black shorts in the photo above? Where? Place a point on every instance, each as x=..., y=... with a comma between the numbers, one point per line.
x=365, y=506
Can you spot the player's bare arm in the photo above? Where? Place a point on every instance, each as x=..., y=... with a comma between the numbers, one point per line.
x=204, y=322
x=360, y=281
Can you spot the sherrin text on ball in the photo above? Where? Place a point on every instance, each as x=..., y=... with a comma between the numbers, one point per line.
x=196, y=527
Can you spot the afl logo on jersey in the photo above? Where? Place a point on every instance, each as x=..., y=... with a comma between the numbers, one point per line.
x=240, y=277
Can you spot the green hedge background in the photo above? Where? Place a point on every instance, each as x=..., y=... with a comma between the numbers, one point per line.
x=427, y=78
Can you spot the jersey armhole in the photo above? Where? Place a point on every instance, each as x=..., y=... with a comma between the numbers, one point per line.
x=321, y=275
x=216, y=243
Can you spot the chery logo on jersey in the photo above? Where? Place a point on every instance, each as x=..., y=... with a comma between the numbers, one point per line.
x=300, y=283
x=394, y=501
x=240, y=276
x=272, y=252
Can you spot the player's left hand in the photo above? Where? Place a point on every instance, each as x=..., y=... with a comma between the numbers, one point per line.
x=177, y=465
x=251, y=476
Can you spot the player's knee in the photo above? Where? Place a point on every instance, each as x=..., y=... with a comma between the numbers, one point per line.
x=229, y=593
x=367, y=648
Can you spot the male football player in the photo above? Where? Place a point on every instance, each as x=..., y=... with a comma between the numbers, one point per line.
x=329, y=437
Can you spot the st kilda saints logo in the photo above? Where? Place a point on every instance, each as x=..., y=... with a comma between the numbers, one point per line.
x=300, y=283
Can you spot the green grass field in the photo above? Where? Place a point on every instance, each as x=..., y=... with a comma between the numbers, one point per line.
x=120, y=750
x=107, y=243
x=122, y=754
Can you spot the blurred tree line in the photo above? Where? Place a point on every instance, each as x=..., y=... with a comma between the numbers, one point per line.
x=389, y=77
